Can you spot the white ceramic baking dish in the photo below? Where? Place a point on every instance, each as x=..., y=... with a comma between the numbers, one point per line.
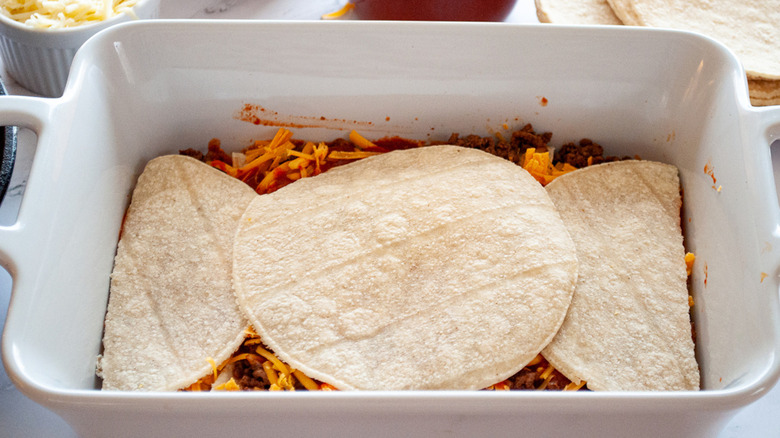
x=144, y=89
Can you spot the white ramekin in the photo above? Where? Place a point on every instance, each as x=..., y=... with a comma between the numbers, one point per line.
x=39, y=59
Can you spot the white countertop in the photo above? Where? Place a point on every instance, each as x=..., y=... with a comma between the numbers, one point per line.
x=20, y=417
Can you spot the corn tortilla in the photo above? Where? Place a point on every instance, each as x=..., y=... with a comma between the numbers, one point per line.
x=575, y=12
x=763, y=92
x=432, y=268
x=748, y=28
x=171, y=303
x=628, y=327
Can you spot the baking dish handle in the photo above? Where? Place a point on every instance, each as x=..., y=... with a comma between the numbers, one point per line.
x=770, y=122
x=768, y=127
x=16, y=245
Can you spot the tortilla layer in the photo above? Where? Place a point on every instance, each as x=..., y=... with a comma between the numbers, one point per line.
x=764, y=92
x=433, y=268
x=575, y=12
x=171, y=303
x=749, y=28
x=628, y=326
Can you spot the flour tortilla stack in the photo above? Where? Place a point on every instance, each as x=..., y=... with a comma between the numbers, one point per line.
x=575, y=12
x=723, y=16
x=431, y=268
x=748, y=28
x=171, y=303
x=764, y=92
x=628, y=327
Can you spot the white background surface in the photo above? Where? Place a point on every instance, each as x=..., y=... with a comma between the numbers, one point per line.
x=20, y=417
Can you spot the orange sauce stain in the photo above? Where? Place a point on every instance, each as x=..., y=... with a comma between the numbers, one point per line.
x=709, y=169
x=706, y=275
x=259, y=115
x=542, y=100
x=763, y=276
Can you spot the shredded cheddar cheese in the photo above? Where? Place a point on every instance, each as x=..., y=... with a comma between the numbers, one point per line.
x=360, y=141
x=270, y=372
x=540, y=166
x=230, y=385
x=575, y=386
x=307, y=383
x=500, y=386
x=689, y=259
x=327, y=387
x=213, y=366
x=269, y=165
x=341, y=13
x=274, y=163
x=51, y=14
x=344, y=155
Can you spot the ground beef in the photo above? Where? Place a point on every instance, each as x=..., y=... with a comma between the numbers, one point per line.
x=250, y=375
x=340, y=144
x=528, y=378
x=524, y=379
x=216, y=153
x=471, y=141
x=557, y=382
x=512, y=150
x=577, y=154
x=526, y=137
x=194, y=153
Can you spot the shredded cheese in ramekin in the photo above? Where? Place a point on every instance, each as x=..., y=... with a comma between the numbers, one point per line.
x=46, y=14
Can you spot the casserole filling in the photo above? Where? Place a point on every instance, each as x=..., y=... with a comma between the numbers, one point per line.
x=267, y=166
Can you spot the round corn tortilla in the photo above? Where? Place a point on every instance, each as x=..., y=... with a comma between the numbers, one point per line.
x=431, y=268
x=628, y=326
x=749, y=29
x=171, y=303
x=575, y=12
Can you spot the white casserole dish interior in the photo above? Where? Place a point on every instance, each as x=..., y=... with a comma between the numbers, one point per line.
x=144, y=89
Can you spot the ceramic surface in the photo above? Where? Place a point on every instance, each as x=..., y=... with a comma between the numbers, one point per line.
x=130, y=99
